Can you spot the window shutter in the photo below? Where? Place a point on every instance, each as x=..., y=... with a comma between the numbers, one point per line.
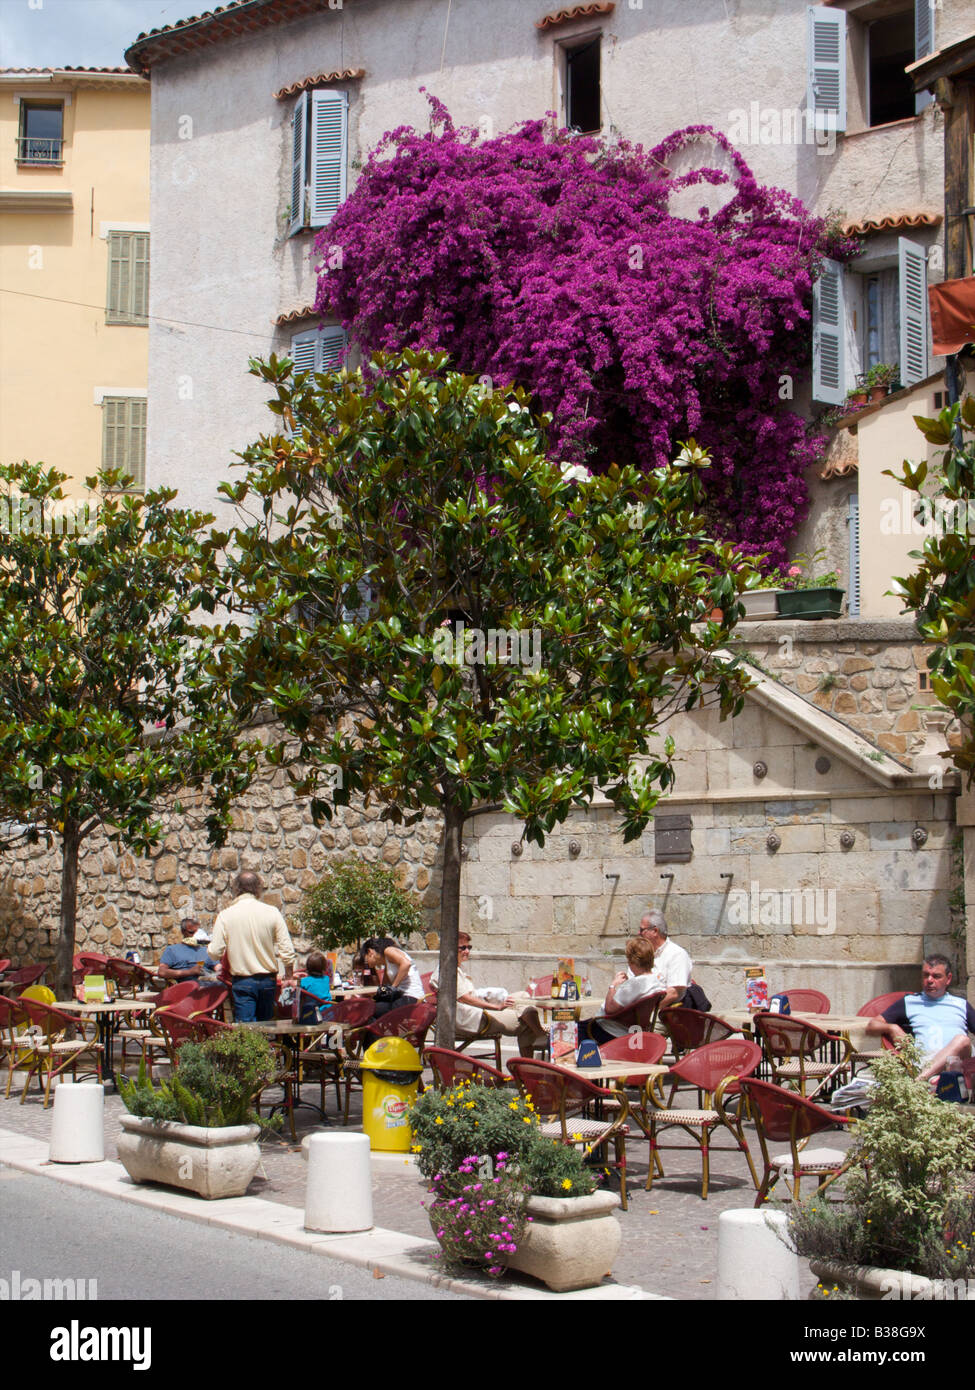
x=913, y=300
x=853, y=522
x=329, y=131
x=140, y=278
x=299, y=136
x=826, y=66
x=923, y=43
x=128, y=278
x=829, y=336
x=331, y=349
x=124, y=437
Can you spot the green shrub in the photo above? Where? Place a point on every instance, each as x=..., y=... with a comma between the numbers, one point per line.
x=451, y=1126
x=355, y=900
x=215, y=1083
x=551, y=1169
x=910, y=1195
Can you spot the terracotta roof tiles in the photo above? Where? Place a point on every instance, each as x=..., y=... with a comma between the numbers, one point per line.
x=346, y=75
x=895, y=222
x=576, y=12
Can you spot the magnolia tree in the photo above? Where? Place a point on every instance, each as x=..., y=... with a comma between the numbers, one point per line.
x=941, y=591
x=105, y=705
x=444, y=619
x=553, y=260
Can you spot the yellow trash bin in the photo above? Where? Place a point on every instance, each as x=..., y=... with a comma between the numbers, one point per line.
x=390, y=1076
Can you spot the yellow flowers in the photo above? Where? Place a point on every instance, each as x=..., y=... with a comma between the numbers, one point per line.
x=567, y=1184
x=438, y=1120
x=417, y=1148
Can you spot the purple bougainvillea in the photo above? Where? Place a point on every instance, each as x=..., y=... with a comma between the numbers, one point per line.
x=554, y=260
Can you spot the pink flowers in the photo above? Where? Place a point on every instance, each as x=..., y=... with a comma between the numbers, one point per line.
x=634, y=327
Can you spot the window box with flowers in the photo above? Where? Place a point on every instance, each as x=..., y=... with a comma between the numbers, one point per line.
x=806, y=594
x=504, y=1197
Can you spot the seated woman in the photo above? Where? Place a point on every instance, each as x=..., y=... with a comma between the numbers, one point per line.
x=625, y=991
x=396, y=972
x=478, y=1016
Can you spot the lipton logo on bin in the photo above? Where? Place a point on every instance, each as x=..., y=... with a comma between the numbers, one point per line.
x=394, y=1111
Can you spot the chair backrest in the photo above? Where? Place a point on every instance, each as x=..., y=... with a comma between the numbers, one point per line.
x=178, y=1029
x=172, y=994
x=787, y=1037
x=808, y=1001
x=540, y=984
x=882, y=1002
x=642, y=1014
x=27, y=974
x=411, y=1022
x=3, y=965
x=781, y=1114
x=127, y=974
x=428, y=993
x=551, y=1089
x=203, y=1000
x=708, y=1066
x=52, y=1021
x=87, y=963
x=449, y=1067
x=635, y=1047
x=350, y=1011
x=691, y=1028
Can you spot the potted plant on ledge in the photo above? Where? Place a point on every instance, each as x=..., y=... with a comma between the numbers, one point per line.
x=504, y=1197
x=809, y=595
x=199, y=1130
x=880, y=379
x=904, y=1229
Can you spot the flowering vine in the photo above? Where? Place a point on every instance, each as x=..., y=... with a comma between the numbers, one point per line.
x=554, y=261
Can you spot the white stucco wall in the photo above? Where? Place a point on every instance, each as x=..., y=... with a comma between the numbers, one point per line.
x=223, y=268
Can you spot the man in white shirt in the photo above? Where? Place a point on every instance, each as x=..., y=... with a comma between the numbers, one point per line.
x=255, y=938
x=672, y=965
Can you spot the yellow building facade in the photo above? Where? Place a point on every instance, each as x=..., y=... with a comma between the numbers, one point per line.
x=74, y=269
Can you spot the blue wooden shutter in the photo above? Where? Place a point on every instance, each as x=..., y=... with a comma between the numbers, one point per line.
x=826, y=66
x=923, y=43
x=853, y=522
x=829, y=336
x=299, y=138
x=329, y=143
x=912, y=289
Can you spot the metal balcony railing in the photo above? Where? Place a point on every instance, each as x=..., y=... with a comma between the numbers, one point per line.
x=34, y=149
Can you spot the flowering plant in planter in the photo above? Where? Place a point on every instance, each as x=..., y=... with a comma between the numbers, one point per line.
x=478, y=1212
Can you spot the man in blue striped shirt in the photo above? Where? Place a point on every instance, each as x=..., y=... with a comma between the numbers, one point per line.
x=941, y=1022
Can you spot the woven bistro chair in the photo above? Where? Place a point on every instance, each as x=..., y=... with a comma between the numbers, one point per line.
x=797, y=1052
x=128, y=976
x=26, y=975
x=560, y=1097
x=327, y=1060
x=185, y=998
x=870, y=1010
x=52, y=1052
x=450, y=1067
x=636, y=1047
x=177, y=1029
x=807, y=1001
x=15, y=1045
x=781, y=1115
x=689, y=1029
x=713, y=1070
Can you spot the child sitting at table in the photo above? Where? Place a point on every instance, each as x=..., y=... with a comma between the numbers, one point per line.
x=315, y=982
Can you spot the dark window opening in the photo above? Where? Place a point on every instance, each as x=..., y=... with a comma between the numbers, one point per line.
x=891, y=51
x=582, y=87
x=41, y=133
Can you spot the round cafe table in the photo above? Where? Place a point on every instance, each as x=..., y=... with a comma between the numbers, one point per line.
x=108, y=1014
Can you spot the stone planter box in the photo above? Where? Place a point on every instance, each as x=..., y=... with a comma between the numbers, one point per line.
x=872, y=1284
x=811, y=603
x=210, y=1162
x=760, y=605
x=571, y=1242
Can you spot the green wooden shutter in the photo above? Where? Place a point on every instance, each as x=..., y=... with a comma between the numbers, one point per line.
x=124, y=437
x=128, y=278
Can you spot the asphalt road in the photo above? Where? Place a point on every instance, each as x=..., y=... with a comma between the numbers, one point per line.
x=52, y=1231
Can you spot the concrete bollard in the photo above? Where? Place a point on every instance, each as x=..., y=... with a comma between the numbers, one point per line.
x=338, y=1196
x=78, y=1123
x=754, y=1261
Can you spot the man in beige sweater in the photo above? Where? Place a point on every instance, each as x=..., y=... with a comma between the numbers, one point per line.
x=255, y=937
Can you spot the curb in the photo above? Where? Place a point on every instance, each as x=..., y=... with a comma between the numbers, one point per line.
x=383, y=1251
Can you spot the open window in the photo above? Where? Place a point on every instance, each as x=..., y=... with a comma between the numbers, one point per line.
x=319, y=153
x=41, y=139
x=880, y=38
x=583, y=109
x=874, y=312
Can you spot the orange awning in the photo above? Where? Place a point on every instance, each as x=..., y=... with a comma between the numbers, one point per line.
x=952, y=315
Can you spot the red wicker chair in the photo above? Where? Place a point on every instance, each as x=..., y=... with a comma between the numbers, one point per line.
x=177, y=1029
x=450, y=1067
x=636, y=1047
x=797, y=1052
x=128, y=976
x=784, y=1116
x=871, y=1009
x=642, y=1015
x=15, y=1046
x=560, y=1098
x=713, y=1069
x=411, y=1022
x=27, y=975
x=690, y=1028
x=807, y=1001
x=53, y=1052
x=327, y=1060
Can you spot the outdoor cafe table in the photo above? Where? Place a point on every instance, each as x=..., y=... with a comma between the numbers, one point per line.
x=108, y=1014
x=589, y=1006
x=853, y=1027
x=293, y=1038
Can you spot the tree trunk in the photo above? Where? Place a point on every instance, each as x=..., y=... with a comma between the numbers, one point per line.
x=449, y=925
x=64, y=951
